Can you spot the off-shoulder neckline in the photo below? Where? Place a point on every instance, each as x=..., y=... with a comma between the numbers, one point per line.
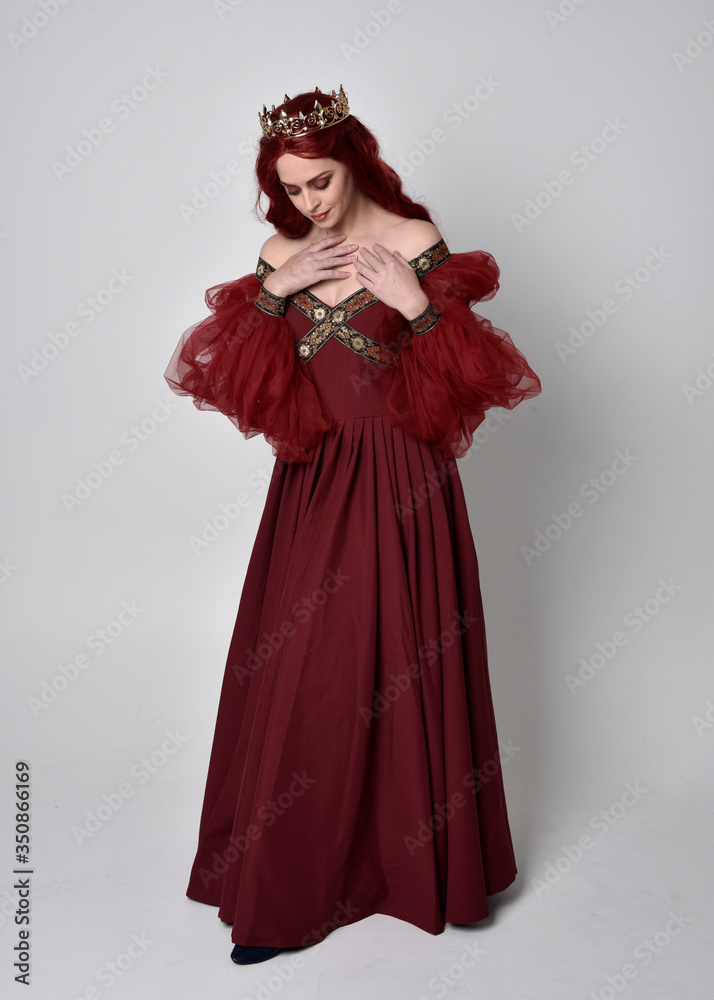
x=426, y=261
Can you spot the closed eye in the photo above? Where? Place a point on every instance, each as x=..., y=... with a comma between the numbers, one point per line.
x=318, y=187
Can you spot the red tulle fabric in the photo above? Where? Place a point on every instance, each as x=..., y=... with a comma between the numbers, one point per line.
x=241, y=362
x=448, y=377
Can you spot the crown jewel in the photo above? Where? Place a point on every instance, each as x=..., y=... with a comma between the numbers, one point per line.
x=320, y=117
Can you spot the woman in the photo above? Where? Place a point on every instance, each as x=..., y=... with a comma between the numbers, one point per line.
x=355, y=766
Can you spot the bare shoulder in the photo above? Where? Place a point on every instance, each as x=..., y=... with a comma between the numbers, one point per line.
x=274, y=251
x=413, y=236
x=277, y=249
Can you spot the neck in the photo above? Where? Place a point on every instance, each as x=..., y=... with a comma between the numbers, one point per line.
x=360, y=216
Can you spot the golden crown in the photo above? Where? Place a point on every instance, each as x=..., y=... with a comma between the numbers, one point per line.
x=319, y=117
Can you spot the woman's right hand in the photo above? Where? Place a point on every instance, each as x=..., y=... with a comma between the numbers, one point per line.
x=314, y=263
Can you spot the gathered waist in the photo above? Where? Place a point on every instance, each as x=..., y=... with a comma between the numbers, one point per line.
x=361, y=416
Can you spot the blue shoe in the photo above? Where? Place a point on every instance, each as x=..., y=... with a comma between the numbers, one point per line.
x=250, y=954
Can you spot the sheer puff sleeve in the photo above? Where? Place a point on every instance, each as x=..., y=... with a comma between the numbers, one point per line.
x=241, y=361
x=460, y=366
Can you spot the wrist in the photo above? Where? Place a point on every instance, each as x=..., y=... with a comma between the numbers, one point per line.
x=426, y=320
x=415, y=307
x=270, y=303
x=272, y=284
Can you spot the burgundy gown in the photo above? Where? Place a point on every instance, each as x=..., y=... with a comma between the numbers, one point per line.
x=355, y=766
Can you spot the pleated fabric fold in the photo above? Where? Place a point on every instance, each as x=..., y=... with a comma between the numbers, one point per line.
x=356, y=767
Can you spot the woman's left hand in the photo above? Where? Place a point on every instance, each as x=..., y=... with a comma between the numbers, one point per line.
x=392, y=279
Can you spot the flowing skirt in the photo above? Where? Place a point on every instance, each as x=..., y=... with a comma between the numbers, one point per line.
x=356, y=767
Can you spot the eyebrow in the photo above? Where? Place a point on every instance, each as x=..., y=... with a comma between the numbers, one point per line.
x=316, y=177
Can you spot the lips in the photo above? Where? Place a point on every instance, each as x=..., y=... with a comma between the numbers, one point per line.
x=319, y=218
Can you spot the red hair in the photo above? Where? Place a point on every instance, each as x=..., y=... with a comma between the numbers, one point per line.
x=349, y=142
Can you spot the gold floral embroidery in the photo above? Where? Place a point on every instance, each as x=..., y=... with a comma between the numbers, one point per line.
x=426, y=320
x=274, y=305
x=431, y=258
x=334, y=321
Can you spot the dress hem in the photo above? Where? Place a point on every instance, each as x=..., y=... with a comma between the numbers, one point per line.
x=434, y=929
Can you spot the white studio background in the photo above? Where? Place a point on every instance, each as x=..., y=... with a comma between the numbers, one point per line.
x=573, y=141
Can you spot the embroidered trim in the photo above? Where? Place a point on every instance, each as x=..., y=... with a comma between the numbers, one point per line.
x=274, y=305
x=426, y=320
x=263, y=269
x=431, y=257
x=334, y=321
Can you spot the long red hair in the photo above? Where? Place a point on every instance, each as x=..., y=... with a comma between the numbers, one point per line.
x=349, y=142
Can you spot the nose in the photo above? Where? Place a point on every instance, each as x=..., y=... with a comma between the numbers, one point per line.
x=311, y=200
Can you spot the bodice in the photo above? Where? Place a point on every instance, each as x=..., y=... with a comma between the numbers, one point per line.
x=343, y=349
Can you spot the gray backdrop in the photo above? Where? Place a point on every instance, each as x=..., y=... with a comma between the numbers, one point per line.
x=573, y=142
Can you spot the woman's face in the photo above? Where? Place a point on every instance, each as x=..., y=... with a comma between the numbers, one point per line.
x=320, y=188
